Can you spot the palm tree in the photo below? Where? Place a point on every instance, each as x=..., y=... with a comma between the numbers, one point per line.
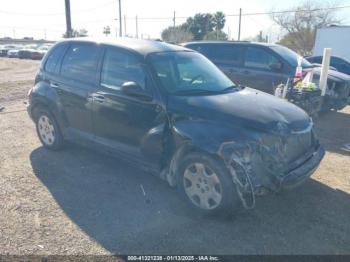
x=219, y=21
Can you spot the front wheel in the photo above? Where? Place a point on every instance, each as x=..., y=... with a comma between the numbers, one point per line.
x=206, y=184
x=47, y=129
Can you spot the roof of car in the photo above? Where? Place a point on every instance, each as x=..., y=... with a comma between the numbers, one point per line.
x=333, y=56
x=140, y=46
x=228, y=42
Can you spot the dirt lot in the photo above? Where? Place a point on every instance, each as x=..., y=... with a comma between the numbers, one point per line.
x=79, y=202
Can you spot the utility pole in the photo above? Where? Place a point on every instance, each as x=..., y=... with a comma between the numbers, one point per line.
x=120, y=19
x=124, y=25
x=174, y=20
x=137, y=28
x=68, y=19
x=239, y=24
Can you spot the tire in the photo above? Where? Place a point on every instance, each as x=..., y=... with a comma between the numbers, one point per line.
x=213, y=191
x=47, y=129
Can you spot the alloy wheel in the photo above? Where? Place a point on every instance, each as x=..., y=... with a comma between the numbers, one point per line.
x=202, y=186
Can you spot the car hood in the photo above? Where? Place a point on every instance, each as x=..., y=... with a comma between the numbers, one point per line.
x=334, y=75
x=245, y=108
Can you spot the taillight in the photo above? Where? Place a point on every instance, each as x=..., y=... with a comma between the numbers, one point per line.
x=30, y=94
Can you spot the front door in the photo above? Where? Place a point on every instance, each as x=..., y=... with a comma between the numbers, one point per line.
x=127, y=124
x=257, y=73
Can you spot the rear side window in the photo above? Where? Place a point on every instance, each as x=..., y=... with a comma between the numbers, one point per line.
x=335, y=61
x=259, y=58
x=317, y=60
x=80, y=62
x=120, y=67
x=224, y=54
x=54, y=58
x=203, y=49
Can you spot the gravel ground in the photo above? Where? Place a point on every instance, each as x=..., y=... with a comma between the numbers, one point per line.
x=79, y=202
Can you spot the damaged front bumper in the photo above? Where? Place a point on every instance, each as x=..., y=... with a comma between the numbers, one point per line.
x=257, y=169
x=301, y=172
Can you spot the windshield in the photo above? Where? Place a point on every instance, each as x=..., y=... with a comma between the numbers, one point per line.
x=290, y=56
x=188, y=72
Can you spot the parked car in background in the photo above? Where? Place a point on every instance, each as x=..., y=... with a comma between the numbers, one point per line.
x=5, y=49
x=13, y=53
x=25, y=53
x=340, y=64
x=42, y=50
x=265, y=66
x=169, y=109
x=34, y=51
x=36, y=54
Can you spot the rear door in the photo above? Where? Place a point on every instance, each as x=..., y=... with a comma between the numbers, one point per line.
x=228, y=57
x=76, y=82
x=256, y=71
x=126, y=123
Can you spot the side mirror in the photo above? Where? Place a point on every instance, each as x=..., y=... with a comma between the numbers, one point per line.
x=135, y=90
x=276, y=66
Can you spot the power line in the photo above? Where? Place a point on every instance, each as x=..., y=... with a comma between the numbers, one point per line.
x=178, y=17
x=293, y=11
x=58, y=13
x=252, y=14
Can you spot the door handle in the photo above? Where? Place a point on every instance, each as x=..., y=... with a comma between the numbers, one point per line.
x=54, y=85
x=246, y=72
x=98, y=98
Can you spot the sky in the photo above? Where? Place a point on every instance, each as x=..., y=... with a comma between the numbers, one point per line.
x=45, y=19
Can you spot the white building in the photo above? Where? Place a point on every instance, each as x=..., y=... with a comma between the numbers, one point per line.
x=335, y=37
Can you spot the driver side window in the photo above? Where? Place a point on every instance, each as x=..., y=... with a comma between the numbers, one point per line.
x=259, y=58
x=119, y=67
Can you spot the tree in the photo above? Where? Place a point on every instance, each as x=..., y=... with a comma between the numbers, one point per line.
x=106, y=30
x=219, y=20
x=80, y=33
x=199, y=25
x=77, y=33
x=176, y=34
x=219, y=23
x=300, y=26
x=216, y=35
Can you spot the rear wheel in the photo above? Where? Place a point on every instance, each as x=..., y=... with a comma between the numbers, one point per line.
x=206, y=184
x=47, y=129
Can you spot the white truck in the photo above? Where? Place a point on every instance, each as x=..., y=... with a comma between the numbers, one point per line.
x=335, y=37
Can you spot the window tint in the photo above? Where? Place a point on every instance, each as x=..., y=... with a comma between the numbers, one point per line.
x=120, y=67
x=80, y=62
x=290, y=56
x=54, y=58
x=335, y=61
x=317, y=60
x=203, y=49
x=188, y=72
x=259, y=58
x=225, y=54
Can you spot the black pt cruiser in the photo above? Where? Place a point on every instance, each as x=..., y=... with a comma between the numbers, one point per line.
x=170, y=110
